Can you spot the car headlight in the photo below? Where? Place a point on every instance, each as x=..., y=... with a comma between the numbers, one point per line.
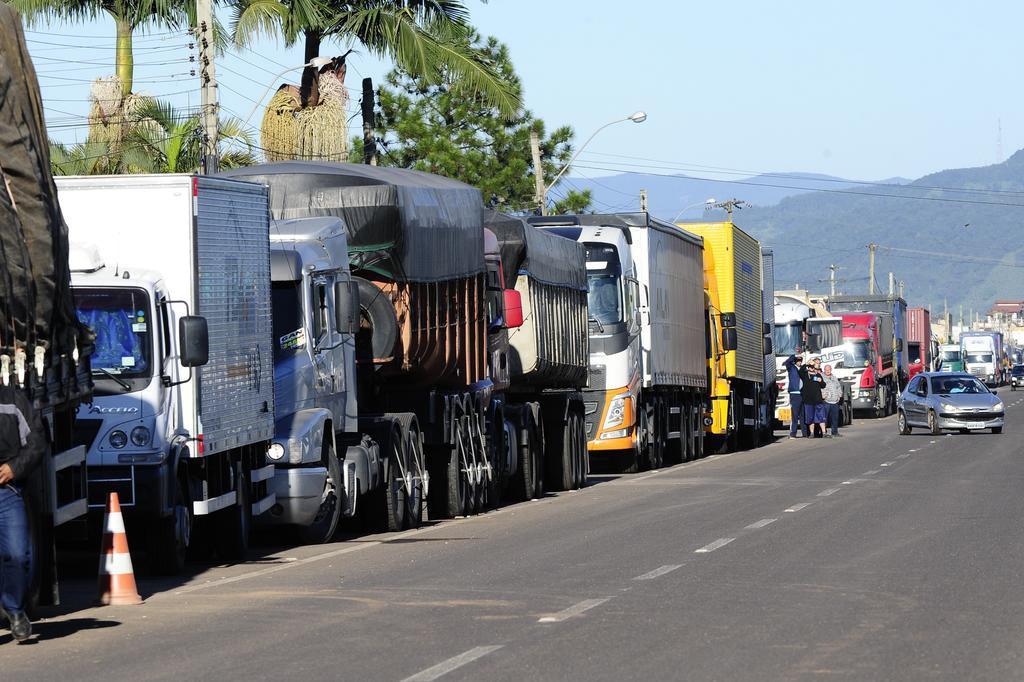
x=616, y=412
x=118, y=439
x=275, y=451
x=140, y=436
x=946, y=407
x=998, y=407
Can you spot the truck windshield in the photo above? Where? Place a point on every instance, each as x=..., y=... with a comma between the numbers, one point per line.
x=786, y=338
x=950, y=356
x=286, y=310
x=856, y=354
x=978, y=357
x=604, y=284
x=122, y=322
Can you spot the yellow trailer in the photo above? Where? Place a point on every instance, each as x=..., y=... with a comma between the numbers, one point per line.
x=736, y=334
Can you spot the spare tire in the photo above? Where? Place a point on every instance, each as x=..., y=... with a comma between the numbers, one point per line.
x=378, y=323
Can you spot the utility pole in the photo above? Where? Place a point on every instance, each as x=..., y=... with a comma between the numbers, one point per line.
x=369, y=123
x=892, y=285
x=832, y=280
x=540, y=194
x=207, y=84
x=730, y=205
x=643, y=201
x=871, y=267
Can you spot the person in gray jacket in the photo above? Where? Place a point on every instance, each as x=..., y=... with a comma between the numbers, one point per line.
x=832, y=393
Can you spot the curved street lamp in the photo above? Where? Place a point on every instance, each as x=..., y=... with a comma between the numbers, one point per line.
x=636, y=117
x=708, y=204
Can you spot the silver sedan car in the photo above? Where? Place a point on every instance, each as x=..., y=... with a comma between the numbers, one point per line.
x=940, y=401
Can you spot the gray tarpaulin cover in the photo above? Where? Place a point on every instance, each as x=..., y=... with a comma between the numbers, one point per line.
x=36, y=305
x=410, y=226
x=546, y=257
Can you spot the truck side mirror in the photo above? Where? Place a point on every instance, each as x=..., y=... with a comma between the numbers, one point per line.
x=768, y=348
x=729, y=339
x=346, y=307
x=899, y=345
x=193, y=341
x=513, y=309
x=728, y=320
x=767, y=330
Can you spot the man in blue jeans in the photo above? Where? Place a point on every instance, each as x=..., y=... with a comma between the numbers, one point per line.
x=21, y=448
x=796, y=403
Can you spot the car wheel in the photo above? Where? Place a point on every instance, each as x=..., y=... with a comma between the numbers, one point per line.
x=901, y=422
x=933, y=423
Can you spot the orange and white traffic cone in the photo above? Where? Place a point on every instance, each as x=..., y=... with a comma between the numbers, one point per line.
x=117, y=578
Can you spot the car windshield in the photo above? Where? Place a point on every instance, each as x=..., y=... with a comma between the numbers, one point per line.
x=786, y=338
x=856, y=353
x=957, y=385
x=1018, y=371
x=121, y=320
x=604, y=283
x=979, y=357
x=950, y=355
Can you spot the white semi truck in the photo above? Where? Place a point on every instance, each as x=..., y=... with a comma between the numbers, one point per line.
x=982, y=355
x=648, y=356
x=172, y=272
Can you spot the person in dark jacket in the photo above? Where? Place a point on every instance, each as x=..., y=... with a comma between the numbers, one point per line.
x=22, y=446
x=811, y=385
x=793, y=364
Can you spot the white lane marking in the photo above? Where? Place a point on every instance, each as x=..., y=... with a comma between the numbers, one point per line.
x=658, y=572
x=826, y=493
x=798, y=507
x=909, y=451
x=887, y=464
x=847, y=483
x=903, y=456
x=453, y=663
x=717, y=544
x=870, y=473
x=760, y=524
x=574, y=610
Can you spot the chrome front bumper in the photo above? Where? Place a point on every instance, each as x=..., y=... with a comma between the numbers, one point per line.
x=299, y=492
x=964, y=422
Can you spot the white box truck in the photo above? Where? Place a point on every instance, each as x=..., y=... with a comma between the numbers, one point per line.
x=172, y=272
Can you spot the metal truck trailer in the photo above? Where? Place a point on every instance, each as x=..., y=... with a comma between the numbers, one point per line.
x=44, y=351
x=919, y=341
x=180, y=303
x=894, y=306
x=548, y=357
x=648, y=373
x=770, y=387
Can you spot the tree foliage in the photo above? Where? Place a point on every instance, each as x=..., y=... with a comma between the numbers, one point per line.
x=434, y=127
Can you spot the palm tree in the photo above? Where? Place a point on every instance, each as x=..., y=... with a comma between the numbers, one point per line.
x=128, y=16
x=423, y=37
x=170, y=141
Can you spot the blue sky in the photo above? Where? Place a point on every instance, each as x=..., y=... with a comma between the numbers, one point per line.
x=862, y=90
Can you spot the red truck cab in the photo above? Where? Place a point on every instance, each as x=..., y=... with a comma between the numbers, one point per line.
x=868, y=344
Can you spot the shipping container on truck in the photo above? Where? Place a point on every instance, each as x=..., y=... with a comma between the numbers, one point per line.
x=648, y=367
x=44, y=351
x=919, y=341
x=869, y=342
x=184, y=402
x=732, y=272
x=546, y=356
x=422, y=378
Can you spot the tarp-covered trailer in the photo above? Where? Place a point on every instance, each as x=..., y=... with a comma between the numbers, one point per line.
x=416, y=248
x=44, y=351
x=548, y=354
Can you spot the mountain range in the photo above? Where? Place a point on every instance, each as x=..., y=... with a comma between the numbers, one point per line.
x=954, y=236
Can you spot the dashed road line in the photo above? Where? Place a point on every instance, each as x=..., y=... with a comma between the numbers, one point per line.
x=711, y=547
x=903, y=456
x=887, y=464
x=826, y=493
x=851, y=482
x=453, y=663
x=870, y=473
x=798, y=507
x=760, y=524
x=574, y=610
x=658, y=572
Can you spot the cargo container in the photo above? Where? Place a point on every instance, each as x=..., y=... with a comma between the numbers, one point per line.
x=184, y=403
x=540, y=396
x=732, y=275
x=648, y=372
x=892, y=305
x=919, y=341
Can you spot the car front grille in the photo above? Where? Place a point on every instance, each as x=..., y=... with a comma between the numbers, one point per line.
x=972, y=416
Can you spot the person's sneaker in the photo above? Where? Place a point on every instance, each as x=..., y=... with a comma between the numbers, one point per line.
x=21, y=626
x=828, y=435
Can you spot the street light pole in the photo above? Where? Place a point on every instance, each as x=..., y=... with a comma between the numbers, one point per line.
x=637, y=117
x=707, y=203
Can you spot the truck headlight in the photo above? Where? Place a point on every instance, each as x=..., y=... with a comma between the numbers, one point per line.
x=616, y=412
x=275, y=451
x=140, y=436
x=117, y=439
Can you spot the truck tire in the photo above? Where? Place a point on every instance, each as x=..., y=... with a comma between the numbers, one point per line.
x=496, y=453
x=659, y=434
x=561, y=467
x=395, y=473
x=234, y=524
x=327, y=517
x=417, y=469
x=169, y=539
x=525, y=482
x=583, y=455
x=378, y=317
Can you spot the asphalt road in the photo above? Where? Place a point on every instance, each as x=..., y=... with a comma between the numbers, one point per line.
x=873, y=556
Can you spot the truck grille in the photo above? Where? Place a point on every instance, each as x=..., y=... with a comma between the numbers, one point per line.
x=979, y=371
